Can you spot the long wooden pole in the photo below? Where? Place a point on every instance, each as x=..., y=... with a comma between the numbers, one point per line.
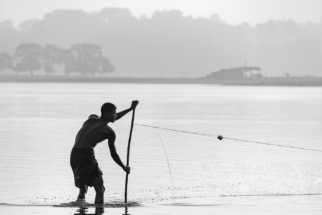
x=128, y=155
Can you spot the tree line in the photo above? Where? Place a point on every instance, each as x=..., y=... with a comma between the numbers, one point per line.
x=171, y=43
x=85, y=59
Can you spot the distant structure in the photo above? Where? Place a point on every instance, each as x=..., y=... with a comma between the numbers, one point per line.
x=236, y=73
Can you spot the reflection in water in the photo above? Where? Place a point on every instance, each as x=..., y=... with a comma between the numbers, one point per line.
x=126, y=211
x=83, y=210
x=99, y=210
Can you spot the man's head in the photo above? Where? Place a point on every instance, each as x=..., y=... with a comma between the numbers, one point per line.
x=108, y=112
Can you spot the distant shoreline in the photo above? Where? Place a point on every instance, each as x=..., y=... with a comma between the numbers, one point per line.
x=266, y=81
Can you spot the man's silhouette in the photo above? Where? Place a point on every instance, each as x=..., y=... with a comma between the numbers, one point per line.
x=82, y=158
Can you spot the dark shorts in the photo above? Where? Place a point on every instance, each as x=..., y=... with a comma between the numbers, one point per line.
x=84, y=166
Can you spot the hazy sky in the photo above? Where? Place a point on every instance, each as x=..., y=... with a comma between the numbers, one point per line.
x=233, y=11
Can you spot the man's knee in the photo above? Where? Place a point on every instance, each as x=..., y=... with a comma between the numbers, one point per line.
x=84, y=189
x=98, y=185
x=100, y=189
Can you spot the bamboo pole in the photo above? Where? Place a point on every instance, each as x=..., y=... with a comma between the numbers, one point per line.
x=128, y=155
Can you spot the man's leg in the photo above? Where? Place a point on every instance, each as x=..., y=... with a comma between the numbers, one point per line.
x=98, y=184
x=82, y=193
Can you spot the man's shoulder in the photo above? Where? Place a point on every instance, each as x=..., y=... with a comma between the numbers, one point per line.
x=107, y=130
x=93, y=116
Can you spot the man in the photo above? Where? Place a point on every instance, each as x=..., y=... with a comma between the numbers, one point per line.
x=82, y=158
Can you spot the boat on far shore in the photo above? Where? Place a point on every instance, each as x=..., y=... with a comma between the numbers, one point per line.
x=249, y=76
x=252, y=76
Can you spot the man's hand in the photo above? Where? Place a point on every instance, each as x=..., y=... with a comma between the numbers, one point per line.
x=127, y=169
x=119, y=115
x=134, y=104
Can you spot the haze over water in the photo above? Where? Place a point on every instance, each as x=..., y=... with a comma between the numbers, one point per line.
x=39, y=123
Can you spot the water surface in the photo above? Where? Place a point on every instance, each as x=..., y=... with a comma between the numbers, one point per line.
x=39, y=121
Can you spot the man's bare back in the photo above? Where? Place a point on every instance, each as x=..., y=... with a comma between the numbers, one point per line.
x=93, y=131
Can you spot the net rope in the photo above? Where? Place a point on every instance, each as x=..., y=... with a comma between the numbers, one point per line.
x=220, y=137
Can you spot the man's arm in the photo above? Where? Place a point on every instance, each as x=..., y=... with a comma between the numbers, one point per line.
x=111, y=140
x=122, y=113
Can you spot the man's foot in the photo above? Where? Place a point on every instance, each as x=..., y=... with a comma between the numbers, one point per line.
x=82, y=193
x=80, y=201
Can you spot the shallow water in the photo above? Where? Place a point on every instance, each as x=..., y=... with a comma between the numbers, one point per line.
x=39, y=123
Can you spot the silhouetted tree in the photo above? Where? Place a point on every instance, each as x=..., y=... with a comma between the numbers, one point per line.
x=27, y=57
x=28, y=24
x=171, y=41
x=108, y=14
x=88, y=59
x=100, y=65
x=69, y=61
x=5, y=61
x=51, y=55
x=9, y=37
